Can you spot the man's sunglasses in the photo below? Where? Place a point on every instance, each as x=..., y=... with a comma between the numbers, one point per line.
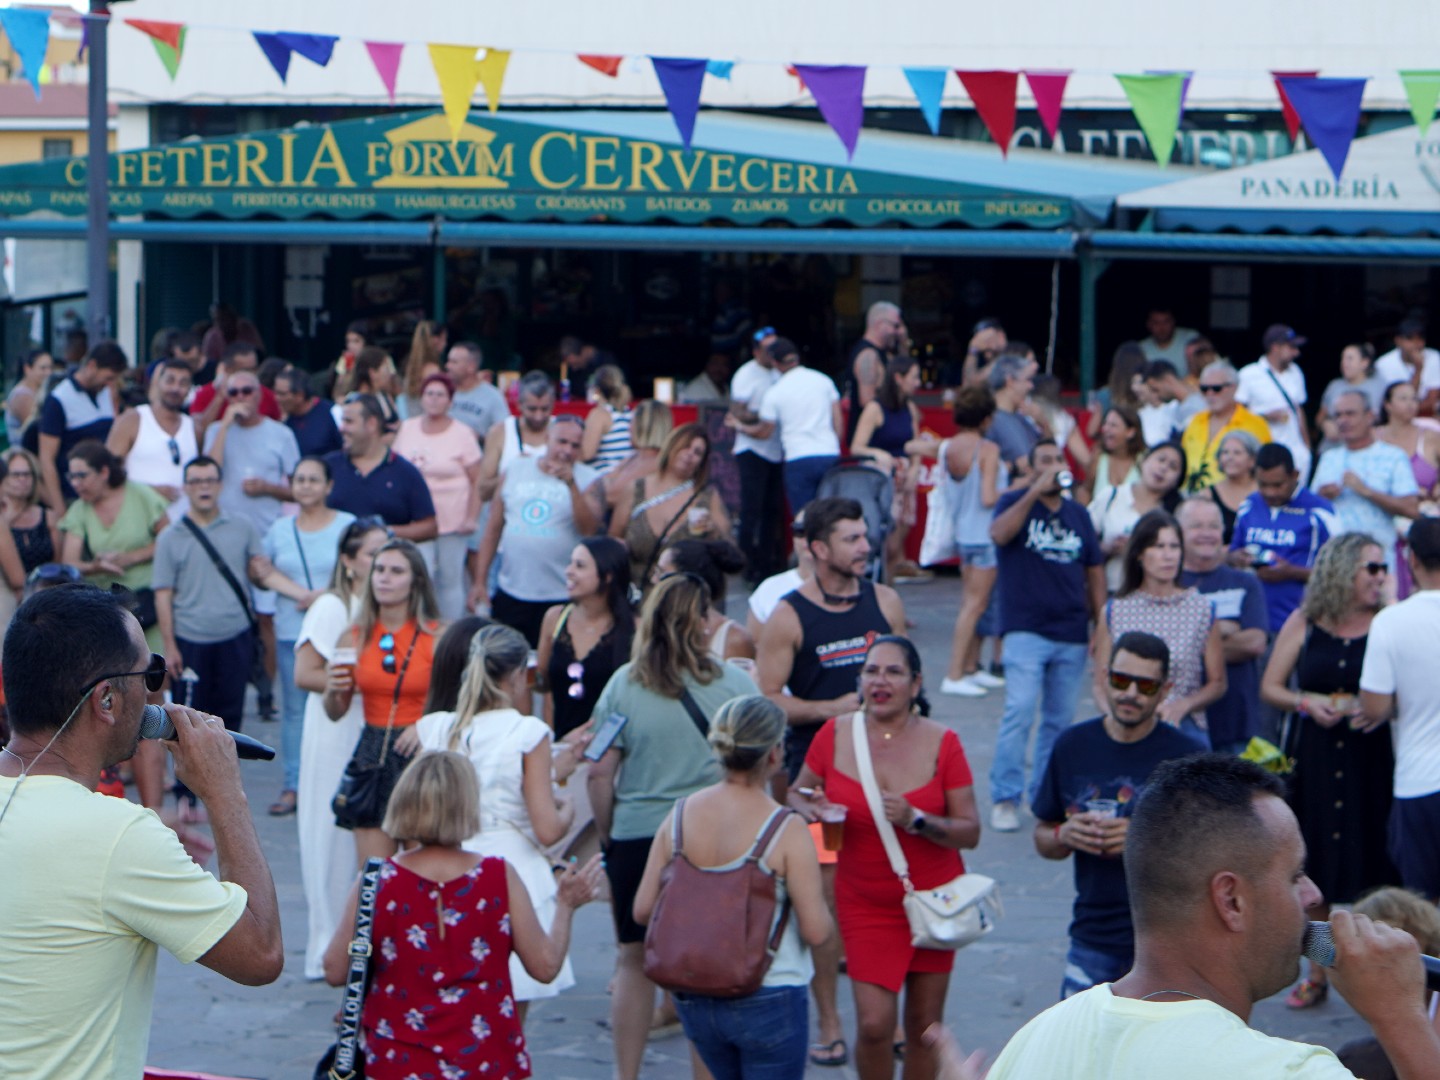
x=154, y=675
x=1215, y=388
x=1119, y=680
x=240, y=391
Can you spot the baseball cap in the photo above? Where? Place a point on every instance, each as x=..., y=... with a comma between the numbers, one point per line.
x=1274, y=335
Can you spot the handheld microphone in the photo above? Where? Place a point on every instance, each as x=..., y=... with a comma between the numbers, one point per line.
x=1320, y=948
x=156, y=725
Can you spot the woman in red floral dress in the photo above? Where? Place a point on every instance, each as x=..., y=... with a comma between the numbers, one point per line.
x=440, y=1004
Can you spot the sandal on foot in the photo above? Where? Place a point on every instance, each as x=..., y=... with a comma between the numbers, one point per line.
x=832, y=1054
x=1308, y=994
x=284, y=805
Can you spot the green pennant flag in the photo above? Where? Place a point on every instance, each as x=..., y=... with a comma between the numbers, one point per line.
x=1155, y=100
x=170, y=56
x=1422, y=88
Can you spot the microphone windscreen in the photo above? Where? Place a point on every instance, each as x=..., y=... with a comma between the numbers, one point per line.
x=154, y=724
x=1319, y=944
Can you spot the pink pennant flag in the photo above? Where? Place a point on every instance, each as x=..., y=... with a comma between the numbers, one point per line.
x=1048, y=89
x=385, y=55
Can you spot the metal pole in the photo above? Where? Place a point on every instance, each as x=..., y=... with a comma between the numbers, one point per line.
x=97, y=236
x=1090, y=270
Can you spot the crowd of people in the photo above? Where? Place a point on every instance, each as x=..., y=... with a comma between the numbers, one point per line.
x=456, y=604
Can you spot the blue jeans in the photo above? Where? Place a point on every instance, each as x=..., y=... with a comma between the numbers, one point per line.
x=1036, y=670
x=292, y=712
x=1086, y=967
x=760, y=1037
x=802, y=477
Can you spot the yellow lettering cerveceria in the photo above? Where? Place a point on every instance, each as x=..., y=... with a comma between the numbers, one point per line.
x=329, y=159
x=537, y=159
x=645, y=160
x=250, y=156
x=597, y=159
x=214, y=164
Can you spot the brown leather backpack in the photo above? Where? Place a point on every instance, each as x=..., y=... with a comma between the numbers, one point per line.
x=710, y=932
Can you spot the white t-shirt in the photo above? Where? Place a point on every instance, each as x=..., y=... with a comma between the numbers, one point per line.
x=93, y=886
x=768, y=593
x=1098, y=1036
x=1259, y=393
x=1157, y=422
x=1400, y=660
x=749, y=385
x=799, y=404
x=1392, y=368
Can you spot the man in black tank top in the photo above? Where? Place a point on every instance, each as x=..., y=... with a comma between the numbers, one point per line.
x=865, y=364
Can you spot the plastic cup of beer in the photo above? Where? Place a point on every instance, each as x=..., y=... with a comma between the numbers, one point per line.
x=1103, y=808
x=832, y=827
x=698, y=518
x=344, y=656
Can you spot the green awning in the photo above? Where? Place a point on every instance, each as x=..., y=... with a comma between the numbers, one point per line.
x=593, y=167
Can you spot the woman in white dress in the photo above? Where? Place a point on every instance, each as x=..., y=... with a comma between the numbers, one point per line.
x=520, y=814
x=327, y=852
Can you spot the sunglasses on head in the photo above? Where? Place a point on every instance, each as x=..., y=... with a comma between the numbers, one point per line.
x=1376, y=569
x=51, y=572
x=1215, y=388
x=763, y=333
x=1119, y=680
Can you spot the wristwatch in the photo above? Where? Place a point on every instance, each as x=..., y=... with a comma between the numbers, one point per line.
x=917, y=823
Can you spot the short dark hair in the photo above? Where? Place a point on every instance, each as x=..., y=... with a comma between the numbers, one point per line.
x=535, y=384
x=710, y=560
x=822, y=515
x=109, y=356
x=1039, y=443
x=183, y=341
x=94, y=454
x=1146, y=647
x=1275, y=455
x=239, y=348
x=1158, y=369
x=1424, y=542
x=973, y=406
x=299, y=382
x=1411, y=328
x=370, y=407
x=173, y=363
x=87, y=627
x=201, y=460
x=1195, y=817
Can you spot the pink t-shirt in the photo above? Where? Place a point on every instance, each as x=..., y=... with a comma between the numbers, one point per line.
x=442, y=459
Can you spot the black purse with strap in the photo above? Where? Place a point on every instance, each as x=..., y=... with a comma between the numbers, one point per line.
x=344, y=1060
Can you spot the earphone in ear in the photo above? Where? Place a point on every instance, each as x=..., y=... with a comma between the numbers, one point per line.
x=105, y=701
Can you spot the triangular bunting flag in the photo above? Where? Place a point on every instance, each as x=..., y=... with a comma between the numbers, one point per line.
x=29, y=34
x=1422, y=88
x=168, y=56
x=1292, y=119
x=719, y=68
x=457, y=71
x=606, y=65
x=276, y=51
x=385, y=55
x=681, y=80
x=790, y=70
x=1048, y=89
x=167, y=32
x=490, y=70
x=1330, y=113
x=1155, y=100
x=839, y=91
x=928, y=85
x=317, y=48
x=993, y=93
x=1184, y=88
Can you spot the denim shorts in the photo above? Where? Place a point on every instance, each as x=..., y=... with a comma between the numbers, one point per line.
x=759, y=1037
x=980, y=556
x=1086, y=966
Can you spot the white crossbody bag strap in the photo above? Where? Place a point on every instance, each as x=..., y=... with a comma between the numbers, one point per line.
x=866, y=768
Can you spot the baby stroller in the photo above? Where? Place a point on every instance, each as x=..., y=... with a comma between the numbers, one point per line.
x=853, y=478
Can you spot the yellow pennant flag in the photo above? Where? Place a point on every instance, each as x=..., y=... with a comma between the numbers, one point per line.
x=491, y=72
x=458, y=72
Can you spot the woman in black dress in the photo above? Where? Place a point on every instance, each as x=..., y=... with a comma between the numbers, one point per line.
x=1341, y=787
x=584, y=640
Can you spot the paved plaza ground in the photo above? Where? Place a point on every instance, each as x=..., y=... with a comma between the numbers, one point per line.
x=207, y=1024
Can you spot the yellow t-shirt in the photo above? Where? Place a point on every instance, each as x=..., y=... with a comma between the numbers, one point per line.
x=1098, y=1036
x=89, y=886
x=1200, y=449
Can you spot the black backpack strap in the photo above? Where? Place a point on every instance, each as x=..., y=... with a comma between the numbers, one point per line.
x=235, y=586
x=702, y=722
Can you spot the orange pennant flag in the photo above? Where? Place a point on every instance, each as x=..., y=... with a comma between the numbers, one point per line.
x=168, y=32
x=606, y=65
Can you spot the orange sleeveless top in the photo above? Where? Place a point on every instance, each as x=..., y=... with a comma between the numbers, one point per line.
x=377, y=685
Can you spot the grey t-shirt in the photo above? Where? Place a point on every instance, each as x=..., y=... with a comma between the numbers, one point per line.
x=1013, y=434
x=479, y=408
x=539, y=531
x=268, y=451
x=206, y=608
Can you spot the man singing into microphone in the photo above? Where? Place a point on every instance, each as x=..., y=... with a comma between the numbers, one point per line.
x=1215, y=866
x=89, y=885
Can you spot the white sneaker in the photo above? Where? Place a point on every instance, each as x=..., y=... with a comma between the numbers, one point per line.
x=985, y=679
x=965, y=687
x=1005, y=817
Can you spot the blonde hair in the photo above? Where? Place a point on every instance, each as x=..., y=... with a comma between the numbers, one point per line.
x=436, y=801
x=609, y=382
x=496, y=653
x=650, y=425
x=30, y=459
x=422, y=352
x=1404, y=910
x=745, y=730
x=670, y=640
x=422, y=607
x=1330, y=591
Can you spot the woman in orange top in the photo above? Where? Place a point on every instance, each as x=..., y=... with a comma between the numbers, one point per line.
x=394, y=641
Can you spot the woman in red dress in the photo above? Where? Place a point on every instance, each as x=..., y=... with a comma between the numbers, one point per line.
x=928, y=796
x=440, y=1003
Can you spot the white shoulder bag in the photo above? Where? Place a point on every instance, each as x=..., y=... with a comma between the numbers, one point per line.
x=948, y=917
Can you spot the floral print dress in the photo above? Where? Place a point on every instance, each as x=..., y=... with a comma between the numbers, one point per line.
x=440, y=1005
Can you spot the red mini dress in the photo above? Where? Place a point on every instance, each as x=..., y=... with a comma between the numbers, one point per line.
x=868, y=895
x=440, y=1003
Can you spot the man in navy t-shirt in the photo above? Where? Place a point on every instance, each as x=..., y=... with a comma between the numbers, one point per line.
x=1052, y=582
x=371, y=480
x=1240, y=613
x=1090, y=784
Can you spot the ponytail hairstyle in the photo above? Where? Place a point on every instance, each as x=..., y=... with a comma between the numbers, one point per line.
x=921, y=704
x=745, y=730
x=496, y=652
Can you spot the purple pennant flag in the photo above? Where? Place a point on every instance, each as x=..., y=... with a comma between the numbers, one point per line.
x=681, y=80
x=314, y=47
x=1329, y=110
x=276, y=51
x=839, y=92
